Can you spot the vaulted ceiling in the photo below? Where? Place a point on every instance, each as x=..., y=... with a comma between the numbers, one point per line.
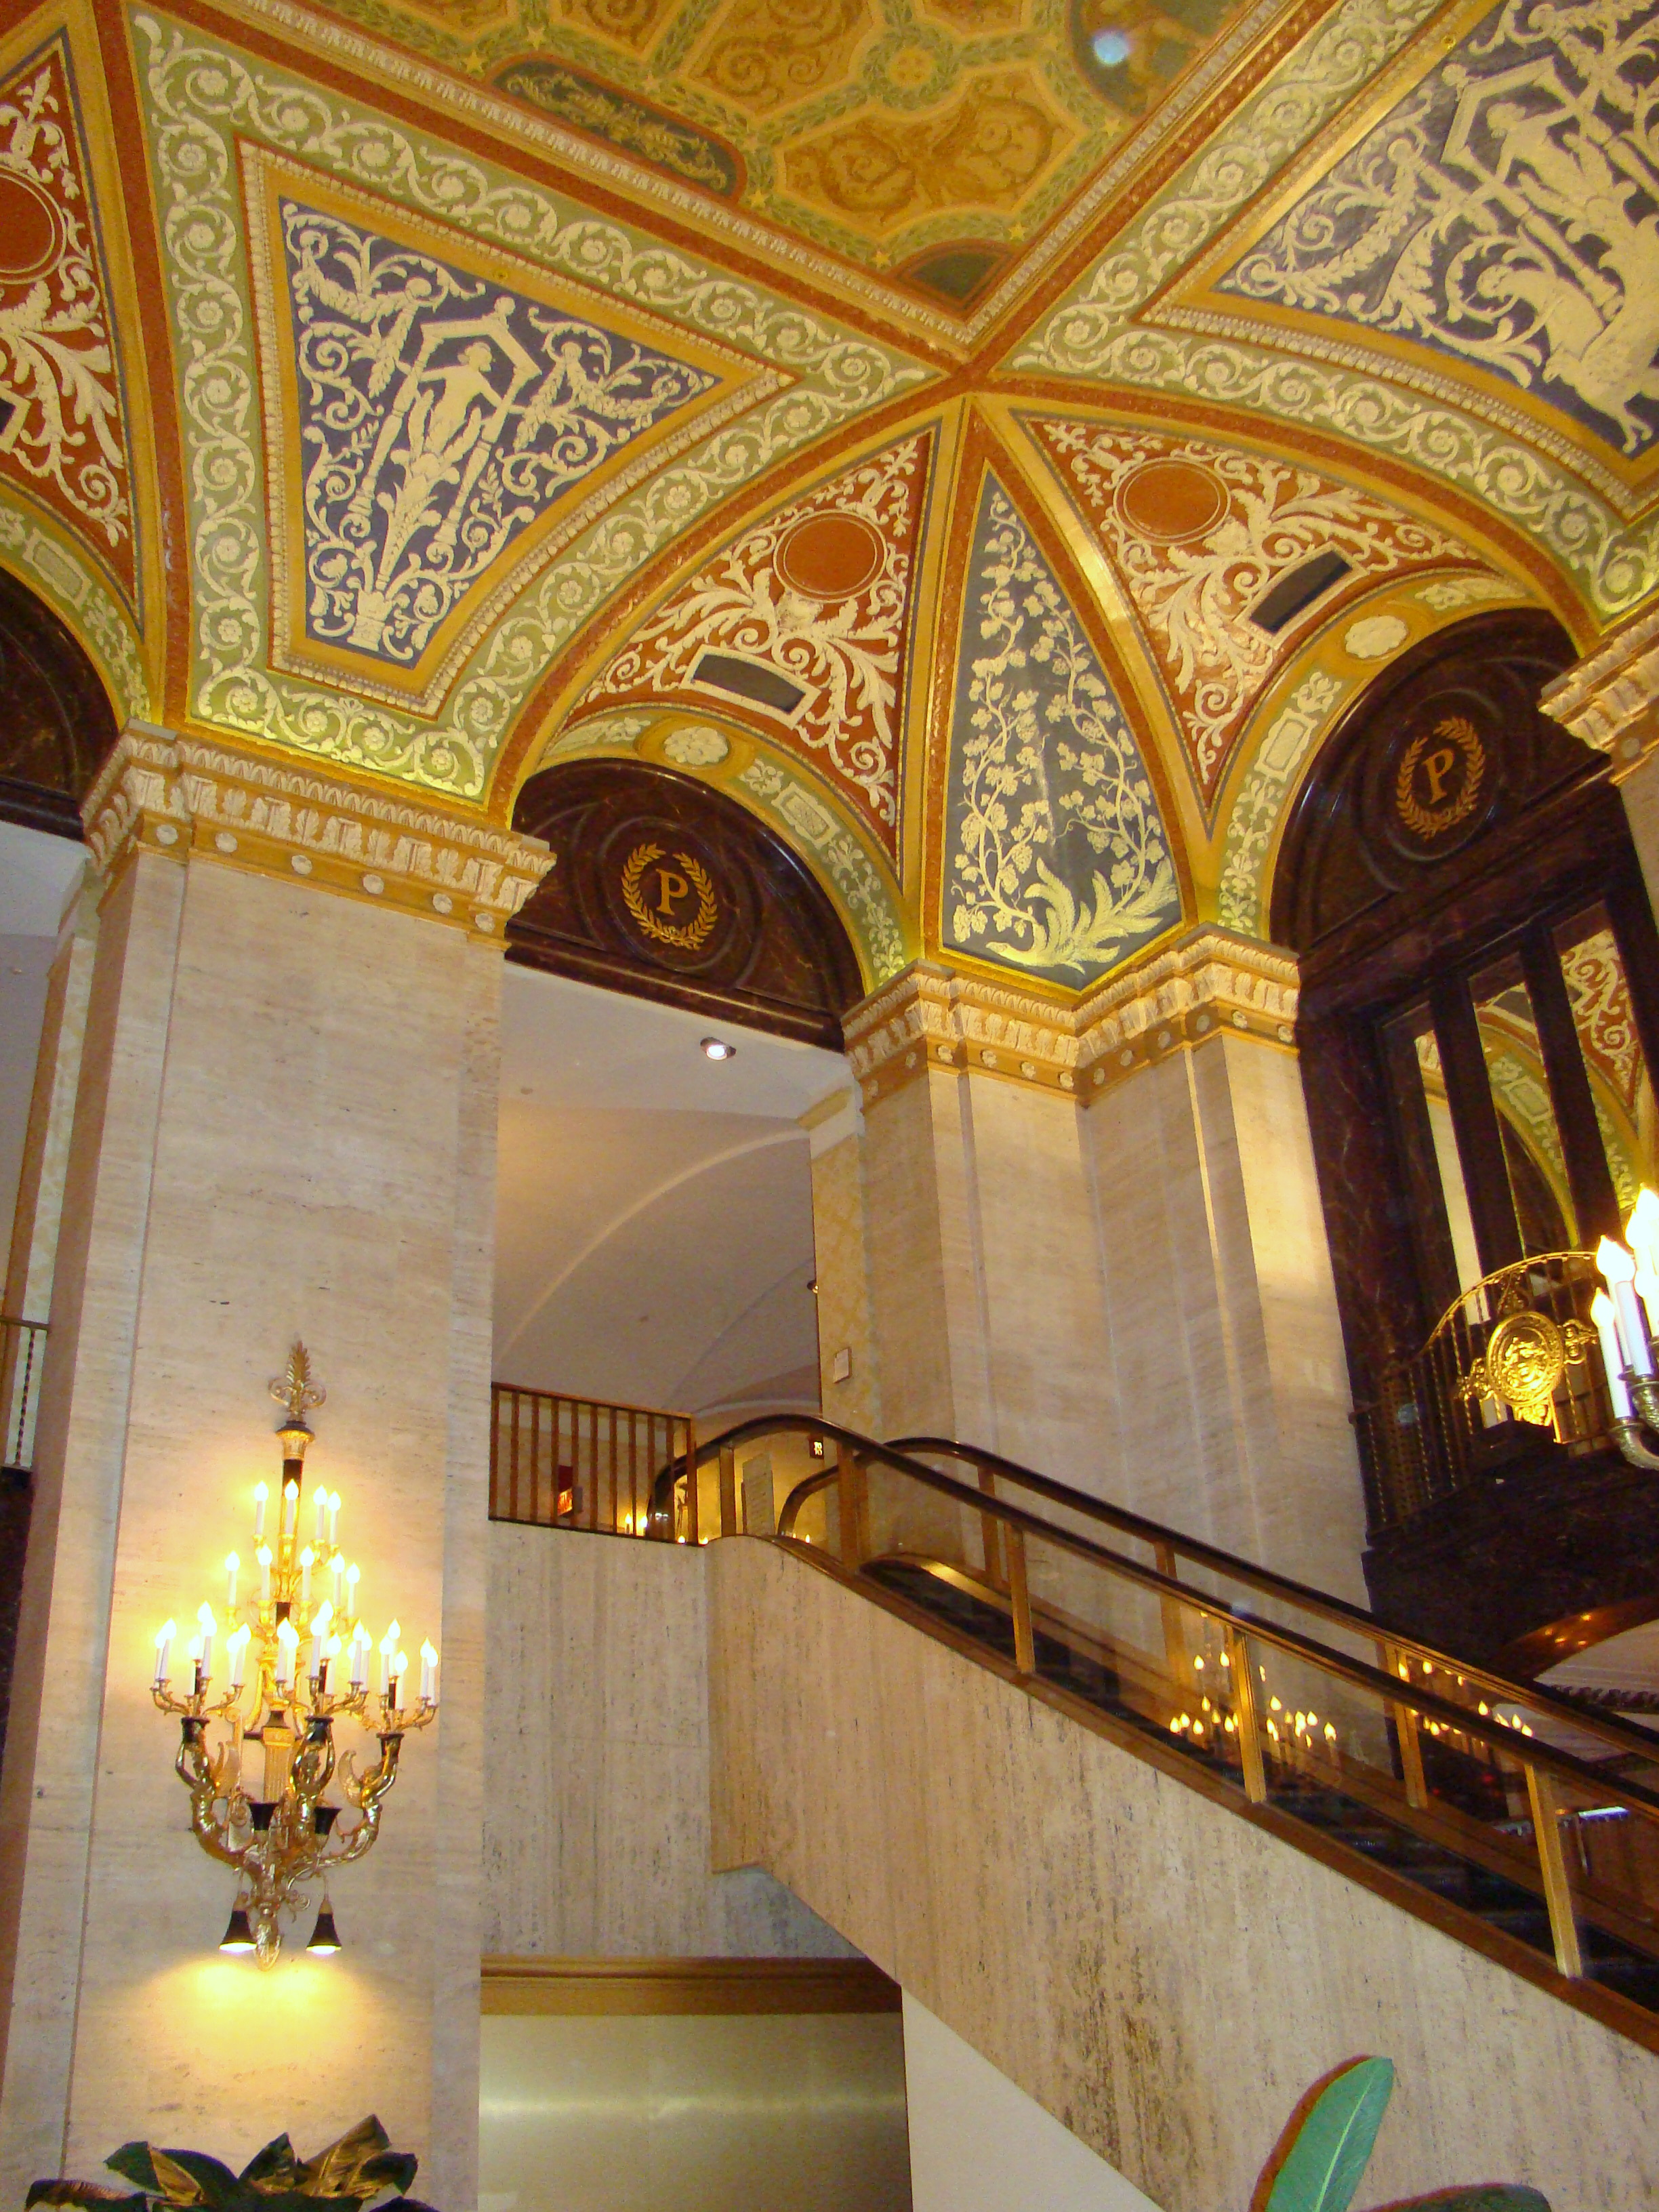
x=993, y=440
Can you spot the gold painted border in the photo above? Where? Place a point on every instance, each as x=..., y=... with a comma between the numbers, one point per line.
x=659, y=1988
x=421, y=689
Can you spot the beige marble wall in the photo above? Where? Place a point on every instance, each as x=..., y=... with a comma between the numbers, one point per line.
x=985, y=1280
x=1640, y=792
x=1160, y=1975
x=285, y=1126
x=1229, y=1381
x=841, y=1252
x=596, y=1826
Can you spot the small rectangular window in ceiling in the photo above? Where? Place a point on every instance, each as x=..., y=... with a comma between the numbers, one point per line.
x=747, y=679
x=1291, y=594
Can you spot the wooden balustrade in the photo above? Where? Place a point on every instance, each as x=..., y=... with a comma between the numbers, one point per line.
x=564, y=1462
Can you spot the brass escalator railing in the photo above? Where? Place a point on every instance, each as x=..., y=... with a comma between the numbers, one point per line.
x=1505, y=1813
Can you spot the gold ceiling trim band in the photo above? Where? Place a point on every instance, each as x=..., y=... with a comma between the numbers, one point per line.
x=183, y=798
x=582, y=1987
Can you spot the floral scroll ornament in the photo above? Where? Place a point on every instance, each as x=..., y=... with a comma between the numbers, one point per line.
x=687, y=937
x=1050, y=788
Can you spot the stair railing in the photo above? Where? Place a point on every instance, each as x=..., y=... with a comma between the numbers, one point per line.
x=22, y=1358
x=1505, y=1814
x=564, y=1462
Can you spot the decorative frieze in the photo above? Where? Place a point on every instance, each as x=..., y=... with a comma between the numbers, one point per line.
x=1611, y=699
x=1209, y=984
x=183, y=797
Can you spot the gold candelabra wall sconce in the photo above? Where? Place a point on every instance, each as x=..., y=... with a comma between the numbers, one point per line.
x=287, y=1645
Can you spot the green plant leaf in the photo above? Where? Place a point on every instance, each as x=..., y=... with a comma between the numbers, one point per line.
x=1489, y=2197
x=1332, y=2148
x=275, y=2166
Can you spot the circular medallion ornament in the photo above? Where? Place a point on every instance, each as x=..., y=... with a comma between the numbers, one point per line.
x=672, y=900
x=1439, y=777
x=1170, y=501
x=1526, y=1357
x=830, y=557
x=30, y=228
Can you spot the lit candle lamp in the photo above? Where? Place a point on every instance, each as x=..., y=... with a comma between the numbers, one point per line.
x=397, y=1667
x=236, y=1649
x=208, y=1625
x=388, y=1645
x=360, y=1643
x=1606, y=1327
x=290, y=1507
x=319, y=1636
x=334, y=1517
x=308, y=1560
x=232, y=1563
x=260, y=1493
x=322, y=1515
x=164, y=1636
x=336, y=1575
x=353, y=1576
x=263, y=1557
x=1642, y=1232
x=287, y=1640
x=429, y=1674
x=1620, y=1270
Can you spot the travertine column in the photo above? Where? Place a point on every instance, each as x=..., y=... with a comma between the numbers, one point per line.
x=849, y=1385
x=284, y=1126
x=1226, y=1351
x=1611, y=699
x=985, y=1284
x=52, y=1113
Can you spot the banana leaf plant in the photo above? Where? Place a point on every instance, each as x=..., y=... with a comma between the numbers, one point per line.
x=1321, y=2159
x=351, y=2172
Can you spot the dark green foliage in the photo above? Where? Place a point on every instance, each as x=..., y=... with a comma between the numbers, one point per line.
x=350, y=2173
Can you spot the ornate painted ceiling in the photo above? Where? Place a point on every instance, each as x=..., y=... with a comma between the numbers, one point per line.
x=994, y=440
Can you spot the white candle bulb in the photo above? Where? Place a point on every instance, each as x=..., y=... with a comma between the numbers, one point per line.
x=1606, y=1327
x=193, y=1653
x=1619, y=1269
x=319, y=1636
x=236, y=1647
x=260, y=1493
x=334, y=1516
x=322, y=1515
x=204, y=1617
x=290, y=1507
x=388, y=1645
x=397, y=1667
x=308, y=1560
x=164, y=1636
x=1642, y=1232
x=232, y=1563
x=353, y=1576
x=429, y=1674
x=359, y=1656
x=263, y=1556
x=287, y=1639
x=337, y=1575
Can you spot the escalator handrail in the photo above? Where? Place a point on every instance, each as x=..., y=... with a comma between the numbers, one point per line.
x=1616, y=1735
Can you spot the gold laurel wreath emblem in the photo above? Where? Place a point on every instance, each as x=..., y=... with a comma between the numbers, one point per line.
x=1434, y=821
x=686, y=936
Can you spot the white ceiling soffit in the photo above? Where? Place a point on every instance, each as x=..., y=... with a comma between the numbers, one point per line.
x=37, y=874
x=654, y=1218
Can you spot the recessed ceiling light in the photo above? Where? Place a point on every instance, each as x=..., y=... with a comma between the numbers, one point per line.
x=717, y=1049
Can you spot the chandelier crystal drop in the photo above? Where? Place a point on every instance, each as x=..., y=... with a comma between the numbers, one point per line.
x=297, y=1657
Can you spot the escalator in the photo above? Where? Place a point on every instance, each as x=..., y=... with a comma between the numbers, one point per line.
x=1499, y=1811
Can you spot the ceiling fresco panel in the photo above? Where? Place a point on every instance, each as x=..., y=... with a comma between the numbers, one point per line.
x=1504, y=214
x=820, y=594
x=212, y=114
x=64, y=438
x=441, y=432
x=1198, y=536
x=1058, y=864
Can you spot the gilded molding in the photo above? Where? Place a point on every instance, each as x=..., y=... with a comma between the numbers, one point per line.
x=1207, y=984
x=1611, y=699
x=1210, y=984
x=181, y=797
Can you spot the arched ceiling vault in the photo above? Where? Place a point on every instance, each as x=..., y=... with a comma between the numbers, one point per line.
x=935, y=405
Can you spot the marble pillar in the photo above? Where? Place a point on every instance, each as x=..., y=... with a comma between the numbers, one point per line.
x=284, y=1126
x=1226, y=1351
x=51, y=1112
x=849, y=1384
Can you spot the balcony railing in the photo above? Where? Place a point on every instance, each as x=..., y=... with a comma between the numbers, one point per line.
x=22, y=1356
x=564, y=1462
x=1513, y=1360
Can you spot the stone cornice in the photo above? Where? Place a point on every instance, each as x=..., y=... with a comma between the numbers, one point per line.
x=932, y=1016
x=186, y=797
x=1611, y=698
